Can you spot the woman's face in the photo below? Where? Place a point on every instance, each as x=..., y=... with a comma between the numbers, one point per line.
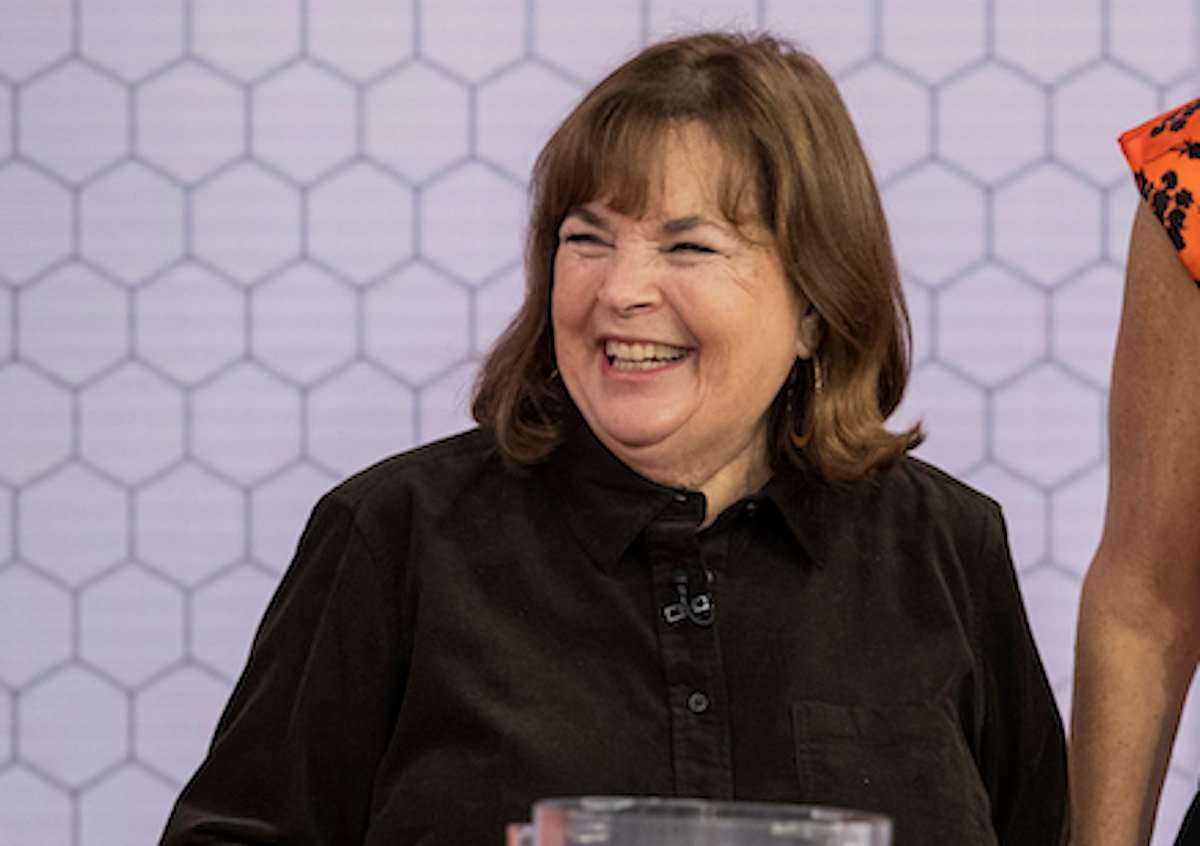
x=673, y=332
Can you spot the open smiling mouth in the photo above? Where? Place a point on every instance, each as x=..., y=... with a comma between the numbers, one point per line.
x=623, y=356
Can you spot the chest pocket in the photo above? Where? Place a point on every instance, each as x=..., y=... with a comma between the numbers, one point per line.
x=909, y=762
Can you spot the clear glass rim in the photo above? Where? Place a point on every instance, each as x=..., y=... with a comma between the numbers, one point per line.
x=657, y=808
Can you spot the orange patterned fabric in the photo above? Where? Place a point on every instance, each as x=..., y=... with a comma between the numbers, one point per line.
x=1165, y=156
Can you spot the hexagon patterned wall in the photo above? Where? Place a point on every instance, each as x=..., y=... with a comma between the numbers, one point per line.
x=247, y=248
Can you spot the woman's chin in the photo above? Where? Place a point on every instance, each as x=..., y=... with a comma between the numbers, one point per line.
x=657, y=454
x=632, y=438
x=629, y=423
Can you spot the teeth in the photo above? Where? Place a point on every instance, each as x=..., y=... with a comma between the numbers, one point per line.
x=641, y=356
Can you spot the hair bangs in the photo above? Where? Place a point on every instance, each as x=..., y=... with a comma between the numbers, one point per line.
x=614, y=155
x=612, y=150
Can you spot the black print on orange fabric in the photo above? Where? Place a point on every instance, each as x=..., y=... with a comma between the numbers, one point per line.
x=1175, y=121
x=1188, y=149
x=1170, y=203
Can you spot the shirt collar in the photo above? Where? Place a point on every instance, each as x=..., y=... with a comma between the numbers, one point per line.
x=820, y=514
x=604, y=502
x=607, y=505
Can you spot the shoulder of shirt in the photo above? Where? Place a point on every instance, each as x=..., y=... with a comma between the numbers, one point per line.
x=908, y=495
x=926, y=485
x=448, y=462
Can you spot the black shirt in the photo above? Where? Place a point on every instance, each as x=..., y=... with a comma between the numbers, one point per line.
x=455, y=640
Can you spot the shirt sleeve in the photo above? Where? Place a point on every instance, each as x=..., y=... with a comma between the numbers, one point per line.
x=295, y=752
x=1164, y=154
x=1023, y=759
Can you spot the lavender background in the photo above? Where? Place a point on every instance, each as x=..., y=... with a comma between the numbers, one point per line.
x=248, y=247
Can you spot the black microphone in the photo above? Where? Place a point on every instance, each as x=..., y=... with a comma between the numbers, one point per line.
x=699, y=608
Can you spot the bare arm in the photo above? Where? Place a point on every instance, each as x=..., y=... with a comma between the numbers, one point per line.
x=1139, y=624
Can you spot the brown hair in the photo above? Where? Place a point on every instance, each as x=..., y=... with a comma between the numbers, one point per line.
x=796, y=163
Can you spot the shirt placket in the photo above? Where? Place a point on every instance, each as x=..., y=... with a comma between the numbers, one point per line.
x=691, y=655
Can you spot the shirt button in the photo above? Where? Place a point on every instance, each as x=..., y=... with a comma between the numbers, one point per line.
x=751, y=508
x=697, y=702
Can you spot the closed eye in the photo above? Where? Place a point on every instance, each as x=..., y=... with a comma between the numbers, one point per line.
x=584, y=239
x=690, y=247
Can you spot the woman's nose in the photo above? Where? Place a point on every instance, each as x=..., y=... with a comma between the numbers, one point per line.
x=630, y=283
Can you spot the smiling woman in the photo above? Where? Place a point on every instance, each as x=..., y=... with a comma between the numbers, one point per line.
x=673, y=332
x=771, y=155
x=681, y=555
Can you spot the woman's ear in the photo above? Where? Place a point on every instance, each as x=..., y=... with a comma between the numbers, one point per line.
x=808, y=334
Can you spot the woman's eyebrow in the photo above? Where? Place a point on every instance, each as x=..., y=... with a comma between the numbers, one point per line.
x=675, y=226
x=678, y=225
x=587, y=216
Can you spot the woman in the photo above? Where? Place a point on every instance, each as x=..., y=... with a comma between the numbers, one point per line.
x=1139, y=621
x=681, y=555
